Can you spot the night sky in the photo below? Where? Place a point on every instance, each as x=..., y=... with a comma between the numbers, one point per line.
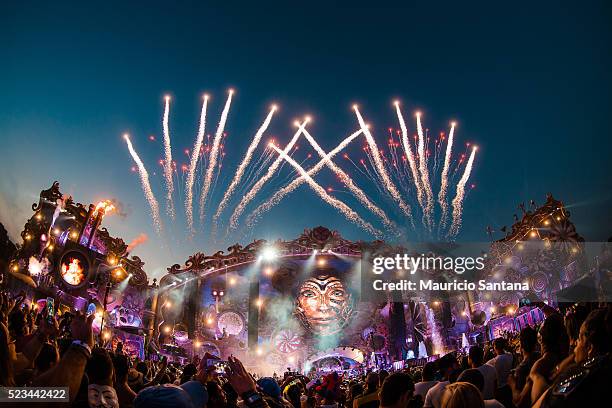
x=529, y=83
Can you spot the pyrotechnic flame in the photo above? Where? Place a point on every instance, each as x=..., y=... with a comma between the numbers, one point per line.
x=106, y=206
x=259, y=184
x=410, y=157
x=442, y=199
x=146, y=186
x=195, y=154
x=214, y=153
x=458, y=200
x=380, y=167
x=168, y=173
x=344, y=209
x=424, y=173
x=243, y=165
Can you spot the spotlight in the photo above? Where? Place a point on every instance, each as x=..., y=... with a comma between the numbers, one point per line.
x=167, y=329
x=232, y=281
x=291, y=359
x=269, y=253
x=268, y=271
x=209, y=321
x=197, y=344
x=74, y=235
x=168, y=304
x=321, y=262
x=259, y=351
x=259, y=302
x=107, y=335
x=492, y=309
x=56, y=231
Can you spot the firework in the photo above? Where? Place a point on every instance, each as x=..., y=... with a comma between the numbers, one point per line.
x=325, y=160
x=168, y=173
x=424, y=173
x=380, y=167
x=442, y=200
x=212, y=161
x=458, y=200
x=243, y=165
x=259, y=184
x=410, y=157
x=146, y=186
x=349, y=213
x=195, y=154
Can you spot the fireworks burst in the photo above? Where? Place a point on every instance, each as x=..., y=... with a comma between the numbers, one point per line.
x=403, y=172
x=168, y=172
x=271, y=170
x=195, y=154
x=242, y=167
x=214, y=153
x=344, y=209
x=146, y=186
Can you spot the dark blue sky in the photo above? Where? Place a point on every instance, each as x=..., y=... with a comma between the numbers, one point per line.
x=530, y=83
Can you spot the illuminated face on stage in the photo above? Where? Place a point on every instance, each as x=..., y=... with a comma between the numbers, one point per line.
x=323, y=304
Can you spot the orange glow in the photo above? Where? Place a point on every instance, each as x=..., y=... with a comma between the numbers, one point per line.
x=106, y=206
x=72, y=272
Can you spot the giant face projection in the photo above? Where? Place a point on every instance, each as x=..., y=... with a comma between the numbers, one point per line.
x=323, y=304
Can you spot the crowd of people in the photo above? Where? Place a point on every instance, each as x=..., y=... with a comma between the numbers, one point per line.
x=563, y=363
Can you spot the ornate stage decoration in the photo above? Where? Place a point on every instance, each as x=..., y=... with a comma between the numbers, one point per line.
x=287, y=341
x=231, y=323
x=541, y=248
x=68, y=255
x=319, y=238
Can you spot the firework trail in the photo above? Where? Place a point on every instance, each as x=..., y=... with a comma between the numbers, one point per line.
x=458, y=200
x=245, y=162
x=259, y=184
x=380, y=167
x=168, y=161
x=193, y=163
x=410, y=157
x=444, y=178
x=212, y=162
x=345, y=179
x=325, y=160
x=349, y=213
x=424, y=173
x=146, y=186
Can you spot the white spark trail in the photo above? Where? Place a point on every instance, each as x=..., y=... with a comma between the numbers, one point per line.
x=380, y=167
x=458, y=200
x=349, y=213
x=214, y=152
x=345, y=179
x=442, y=198
x=146, y=186
x=259, y=184
x=424, y=173
x=195, y=154
x=410, y=157
x=168, y=161
x=243, y=165
x=325, y=160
